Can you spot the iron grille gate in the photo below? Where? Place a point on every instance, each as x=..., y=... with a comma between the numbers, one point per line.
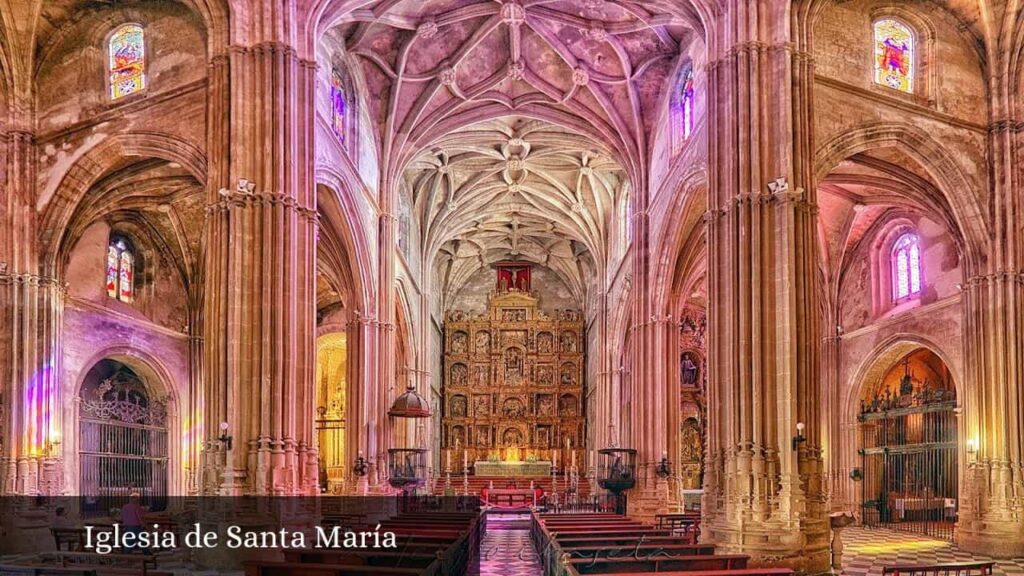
x=909, y=477
x=122, y=449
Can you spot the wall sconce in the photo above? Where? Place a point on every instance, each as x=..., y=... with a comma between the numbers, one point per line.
x=362, y=466
x=224, y=438
x=799, y=438
x=664, y=468
x=856, y=475
x=52, y=446
x=972, y=449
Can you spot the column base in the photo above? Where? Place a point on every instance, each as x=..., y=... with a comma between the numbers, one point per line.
x=998, y=539
x=805, y=549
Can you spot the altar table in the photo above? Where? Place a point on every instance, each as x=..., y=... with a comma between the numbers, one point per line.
x=512, y=469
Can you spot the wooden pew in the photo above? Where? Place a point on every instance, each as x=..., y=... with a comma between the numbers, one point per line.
x=630, y=540
x=37, y=570
x=362, y=558
x=640, y=550
x=952, y=569
x=743, y=572
x=657, y=563
x=304, y=569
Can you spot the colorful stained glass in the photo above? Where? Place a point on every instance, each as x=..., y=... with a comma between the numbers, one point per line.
x=687, y=104
x=338, y=105
x=112, y=267
x=906, y=264
x=127, y=61
x=894, y=55
x=127, y=284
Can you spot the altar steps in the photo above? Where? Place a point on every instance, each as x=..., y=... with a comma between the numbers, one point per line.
x=545, y=483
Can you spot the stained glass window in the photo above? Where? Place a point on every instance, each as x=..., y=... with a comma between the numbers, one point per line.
x=113, y=261
x=338, y=105
x=120, y=271
x=686, y=102
x=127, y=61
x=906, y=266
x=894, y=55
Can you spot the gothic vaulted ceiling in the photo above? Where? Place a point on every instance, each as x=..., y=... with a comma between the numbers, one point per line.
x=437, y=65
x=516, y=123
x=515, y=189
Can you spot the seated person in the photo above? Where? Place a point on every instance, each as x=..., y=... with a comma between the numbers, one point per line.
x=61, y=519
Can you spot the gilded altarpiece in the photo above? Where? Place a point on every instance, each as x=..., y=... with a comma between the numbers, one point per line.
x=514, y=385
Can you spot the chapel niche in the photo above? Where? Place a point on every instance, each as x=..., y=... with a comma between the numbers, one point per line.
x=513, y=385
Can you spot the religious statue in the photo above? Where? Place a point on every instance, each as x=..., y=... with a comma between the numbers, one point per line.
x=459, y=375
x=483, y=342
x=513, y=366
x=543, y=375
x=459, y=343
x=482, y=376
x=568, y=375
x=459, y=406
x=482, y=437
x=690, y=441
x=567, y=405
x=568, y=342
x=545, y=405
x=513, y=408
x=689, y=370
x=458, y=436
x=545, y=342
x=481, y=405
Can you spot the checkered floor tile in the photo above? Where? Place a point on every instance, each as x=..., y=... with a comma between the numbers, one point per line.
x=506, y=549
x=867, y=550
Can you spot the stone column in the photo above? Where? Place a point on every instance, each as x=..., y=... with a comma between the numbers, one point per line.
x=386, y=387
x=259, y=327
x=31, y=320
x=764, y=494
x=991, y=518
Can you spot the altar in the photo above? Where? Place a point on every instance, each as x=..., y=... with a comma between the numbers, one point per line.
x=512, y=469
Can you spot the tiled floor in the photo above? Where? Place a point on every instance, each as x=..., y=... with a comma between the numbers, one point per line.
x=867, y=550
x=506, y=549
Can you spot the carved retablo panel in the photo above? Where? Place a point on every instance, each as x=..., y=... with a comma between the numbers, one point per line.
x=513, y=381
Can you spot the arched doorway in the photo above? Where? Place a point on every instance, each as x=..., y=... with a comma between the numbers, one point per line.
x=122, y=444
x=331, y=399
x=908, y=436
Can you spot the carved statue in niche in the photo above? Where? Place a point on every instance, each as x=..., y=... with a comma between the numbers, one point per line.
x=690, y=441
x=513, y=315
x=543, y=437
x=689, y=372
x=512, y=437
x=483, y=342
x=481, y=376
x=458, y=436
x=513, y=366
x=568, y=375
x=567, y=405
x=483, y=436
x=513, y=408
x=568, y=342
x=459, y=374
x=459, y=343
x=459, y=406
x=544, y=375
x=545, y=343
x=481, y=405
x=545, y=405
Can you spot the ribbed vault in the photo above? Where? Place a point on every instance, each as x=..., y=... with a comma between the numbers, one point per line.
x=516, y=189
x=436, y=66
